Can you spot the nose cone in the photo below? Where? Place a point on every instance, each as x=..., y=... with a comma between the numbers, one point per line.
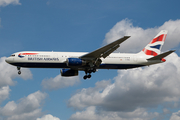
x=9, y=60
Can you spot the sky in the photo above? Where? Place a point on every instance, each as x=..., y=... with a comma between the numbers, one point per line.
x=148, y=93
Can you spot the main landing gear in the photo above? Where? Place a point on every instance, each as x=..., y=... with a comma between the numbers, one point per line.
x=87, y=76
x=88, y=73
x=19, y=70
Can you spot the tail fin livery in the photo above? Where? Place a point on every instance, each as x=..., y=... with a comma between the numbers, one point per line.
x=154, y=47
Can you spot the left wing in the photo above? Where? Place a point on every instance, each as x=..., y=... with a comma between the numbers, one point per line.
x=104, y=51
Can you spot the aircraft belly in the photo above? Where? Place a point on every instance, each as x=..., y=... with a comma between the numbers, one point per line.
x=119, y=66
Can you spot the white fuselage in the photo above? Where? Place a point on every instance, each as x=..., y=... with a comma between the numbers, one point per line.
x=33, y=59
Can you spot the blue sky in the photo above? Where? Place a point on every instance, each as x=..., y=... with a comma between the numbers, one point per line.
x=83, y=26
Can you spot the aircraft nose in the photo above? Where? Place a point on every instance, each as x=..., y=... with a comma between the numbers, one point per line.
x=9, y=60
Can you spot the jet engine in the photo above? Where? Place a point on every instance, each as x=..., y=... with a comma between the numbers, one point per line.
x=68, y=72
x=75, y=62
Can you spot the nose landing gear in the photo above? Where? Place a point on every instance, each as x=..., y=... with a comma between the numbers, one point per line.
x=19, y=70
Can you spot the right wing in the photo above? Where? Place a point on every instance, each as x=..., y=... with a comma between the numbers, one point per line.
x=104, y=51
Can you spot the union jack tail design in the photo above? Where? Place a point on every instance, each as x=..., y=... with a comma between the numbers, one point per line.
x=154, y=47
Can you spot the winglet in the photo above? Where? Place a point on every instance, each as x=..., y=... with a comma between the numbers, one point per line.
x=161, y=56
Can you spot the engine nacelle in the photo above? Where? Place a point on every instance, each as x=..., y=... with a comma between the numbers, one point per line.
x=75, y=62
x=68, y=72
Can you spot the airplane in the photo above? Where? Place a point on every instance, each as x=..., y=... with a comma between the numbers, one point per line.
x=103, y=58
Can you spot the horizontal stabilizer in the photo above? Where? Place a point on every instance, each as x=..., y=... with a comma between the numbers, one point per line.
x=161, y=56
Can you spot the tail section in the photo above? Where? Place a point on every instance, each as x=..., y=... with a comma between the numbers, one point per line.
x=154, y=47
x=161, y=56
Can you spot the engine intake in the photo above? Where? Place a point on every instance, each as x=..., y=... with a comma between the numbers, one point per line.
x=75, y=62
x=68, y=72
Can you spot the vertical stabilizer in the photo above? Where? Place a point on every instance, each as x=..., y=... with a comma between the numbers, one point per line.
x=154, y=47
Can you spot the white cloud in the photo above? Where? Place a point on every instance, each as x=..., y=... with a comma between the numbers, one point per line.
x=59, y=82
x=48, y=117
x=145, y=88
x=9, y=72
x=7, y=2
x=166, y=111
x=141, y=37
x=26, y=116
x=90, y=96
x=4, y=93
x=175, y=116
x=91, y=114
x=27, y=108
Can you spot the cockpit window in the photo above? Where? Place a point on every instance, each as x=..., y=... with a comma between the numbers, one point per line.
x=13, y=55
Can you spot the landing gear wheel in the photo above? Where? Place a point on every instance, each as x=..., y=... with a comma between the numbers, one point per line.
x=19, y=72
x=88, y=73
x=89, y=76
x=85, y=77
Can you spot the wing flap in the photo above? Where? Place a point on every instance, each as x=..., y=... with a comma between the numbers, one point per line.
x=105, y=54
